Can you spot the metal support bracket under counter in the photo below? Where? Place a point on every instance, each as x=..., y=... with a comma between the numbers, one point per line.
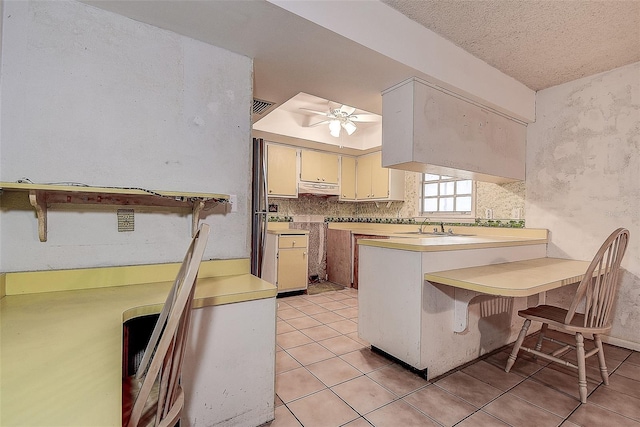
x=509, y=279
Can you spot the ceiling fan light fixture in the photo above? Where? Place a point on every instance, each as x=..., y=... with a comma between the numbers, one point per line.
x=334, y=128
x=349, y=126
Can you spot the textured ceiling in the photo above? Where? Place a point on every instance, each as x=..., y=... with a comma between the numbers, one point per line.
x=539, y=43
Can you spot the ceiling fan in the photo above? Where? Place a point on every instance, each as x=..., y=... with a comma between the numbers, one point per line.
x=343, y=117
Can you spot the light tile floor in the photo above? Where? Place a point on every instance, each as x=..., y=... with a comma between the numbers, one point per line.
x=326, y=376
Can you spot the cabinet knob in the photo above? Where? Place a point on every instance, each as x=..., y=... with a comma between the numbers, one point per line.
x=293, y=243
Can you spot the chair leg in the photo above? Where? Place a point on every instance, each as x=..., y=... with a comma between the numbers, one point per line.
x=517, y=344
x=603, y=366
x=582, y=374
x=543, y=332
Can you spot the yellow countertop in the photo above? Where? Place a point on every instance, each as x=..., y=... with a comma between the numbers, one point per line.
x=450, y=243
x=288, y=232
x=514, y=279
x=61, y=352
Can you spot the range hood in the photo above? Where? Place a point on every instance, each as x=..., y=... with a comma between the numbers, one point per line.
x=318, y=189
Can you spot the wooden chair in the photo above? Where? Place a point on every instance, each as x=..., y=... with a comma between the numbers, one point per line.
x=159, y=399
x=596, y=293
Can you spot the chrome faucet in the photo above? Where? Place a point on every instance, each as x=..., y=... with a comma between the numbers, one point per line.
x=421, y=229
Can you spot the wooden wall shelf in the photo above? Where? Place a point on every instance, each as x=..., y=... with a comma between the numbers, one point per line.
x=42, y=196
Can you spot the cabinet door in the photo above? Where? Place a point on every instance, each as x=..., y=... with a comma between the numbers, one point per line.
x=319, y=167
x=363, y=178
x=348, y=178
x=292, y=269
x=379, y=177
x=281, y=171
x=339, y=256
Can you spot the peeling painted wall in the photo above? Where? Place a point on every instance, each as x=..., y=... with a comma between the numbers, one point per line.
x=93, y=97
x=583, y=177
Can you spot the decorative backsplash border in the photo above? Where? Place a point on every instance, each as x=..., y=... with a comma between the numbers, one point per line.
x=500, y=223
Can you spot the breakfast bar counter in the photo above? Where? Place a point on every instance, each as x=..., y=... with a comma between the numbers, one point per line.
x=428, y=325
x=61, y=352
x=514, y=279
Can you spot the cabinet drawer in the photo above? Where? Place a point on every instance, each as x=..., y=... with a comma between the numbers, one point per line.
x=297, y=241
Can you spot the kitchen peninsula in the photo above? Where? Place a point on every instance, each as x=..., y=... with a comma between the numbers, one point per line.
x=413, y=320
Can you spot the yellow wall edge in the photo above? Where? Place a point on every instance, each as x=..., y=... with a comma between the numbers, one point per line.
x=30, y=282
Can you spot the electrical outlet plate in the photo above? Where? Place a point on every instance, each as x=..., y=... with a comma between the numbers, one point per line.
x=233, y=199
x=125, y=220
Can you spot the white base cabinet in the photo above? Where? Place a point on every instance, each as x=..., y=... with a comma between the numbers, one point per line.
x=286, y=259
x=413, y=320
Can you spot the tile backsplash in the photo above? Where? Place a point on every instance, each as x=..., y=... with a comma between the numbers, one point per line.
x=502, y=199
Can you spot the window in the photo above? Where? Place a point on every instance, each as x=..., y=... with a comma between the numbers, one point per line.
x=446, y=195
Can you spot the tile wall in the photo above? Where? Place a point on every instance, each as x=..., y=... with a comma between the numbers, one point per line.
x=502, y=199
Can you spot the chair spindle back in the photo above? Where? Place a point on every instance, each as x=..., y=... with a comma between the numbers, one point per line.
x=598, y=286
x=164, y=354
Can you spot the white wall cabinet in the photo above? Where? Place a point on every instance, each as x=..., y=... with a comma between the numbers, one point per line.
x=286, y=259
x=425, y=129
x=316, y=166
x=376, y=183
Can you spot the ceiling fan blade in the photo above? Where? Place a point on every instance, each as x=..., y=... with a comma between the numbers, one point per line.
x=365, y=118
x=322, y=113
x=318, y=123
x=347, y=110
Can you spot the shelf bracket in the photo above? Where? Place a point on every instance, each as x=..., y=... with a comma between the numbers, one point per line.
x=38, y=200
x=198, y=206
x=461, y=300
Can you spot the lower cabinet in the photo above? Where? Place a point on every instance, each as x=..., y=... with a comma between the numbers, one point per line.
x=342, y=256
x=286, y=260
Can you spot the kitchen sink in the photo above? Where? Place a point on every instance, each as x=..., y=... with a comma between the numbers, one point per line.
x=431, y=233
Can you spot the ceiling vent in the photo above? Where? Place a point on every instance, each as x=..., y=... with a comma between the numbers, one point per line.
x=260, y=106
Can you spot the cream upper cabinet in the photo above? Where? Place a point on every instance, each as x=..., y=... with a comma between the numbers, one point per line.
x=377, y=183
x=347, y=178
x=282, y=171
x=319, y=167
x=363, y=178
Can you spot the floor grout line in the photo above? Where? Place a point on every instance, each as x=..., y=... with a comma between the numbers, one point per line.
x=398, y=397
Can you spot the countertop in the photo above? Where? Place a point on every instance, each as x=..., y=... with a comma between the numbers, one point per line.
x=514, y=279
x=61, y=357
x=450, y=243
x=288, y=232
x=403, y=237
